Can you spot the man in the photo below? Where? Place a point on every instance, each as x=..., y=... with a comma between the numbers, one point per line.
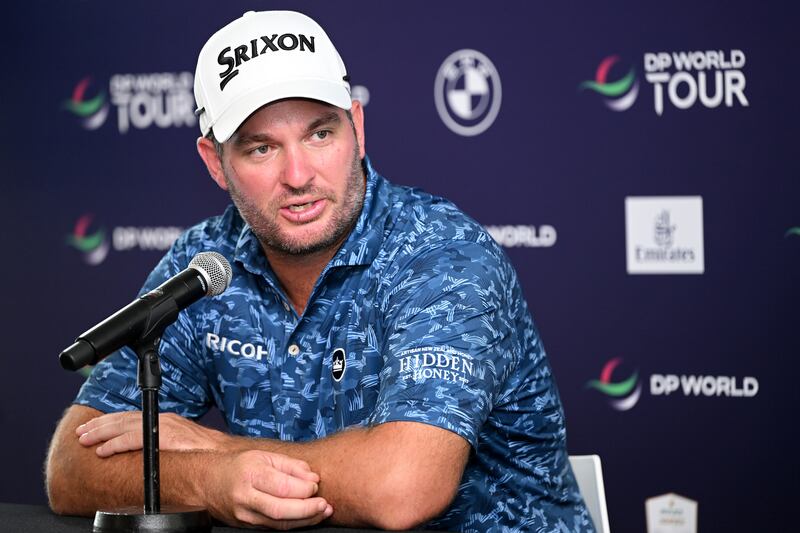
x=374, y=358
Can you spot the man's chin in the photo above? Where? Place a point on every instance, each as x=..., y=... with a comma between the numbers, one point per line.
x=298, y=244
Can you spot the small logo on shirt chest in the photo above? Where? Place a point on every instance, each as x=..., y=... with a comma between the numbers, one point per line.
x=338, y=365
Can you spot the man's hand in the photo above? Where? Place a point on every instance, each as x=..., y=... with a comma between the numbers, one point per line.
x=122, y=432
x=256, y=488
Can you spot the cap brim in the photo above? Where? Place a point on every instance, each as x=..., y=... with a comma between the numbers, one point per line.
x=315, y=89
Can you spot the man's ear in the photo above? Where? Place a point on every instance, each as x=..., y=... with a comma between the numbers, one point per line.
x=357, y=112
x=209, y=155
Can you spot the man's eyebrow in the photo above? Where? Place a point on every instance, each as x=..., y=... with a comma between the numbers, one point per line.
x=245, y=140
x=331, y=118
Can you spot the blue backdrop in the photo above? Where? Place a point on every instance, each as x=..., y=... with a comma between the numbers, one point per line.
x=683, y=381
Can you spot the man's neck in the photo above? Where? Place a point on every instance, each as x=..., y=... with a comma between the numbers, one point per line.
x=298, y=274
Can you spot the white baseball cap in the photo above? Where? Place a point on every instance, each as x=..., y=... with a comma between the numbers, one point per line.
x=262, y=57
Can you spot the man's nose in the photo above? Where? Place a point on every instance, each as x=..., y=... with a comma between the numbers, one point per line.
x=298, y=171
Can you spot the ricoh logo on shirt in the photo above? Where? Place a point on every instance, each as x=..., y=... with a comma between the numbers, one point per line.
x=664, y=235
x=236, y=347
x=438, y=362
x=232, y=58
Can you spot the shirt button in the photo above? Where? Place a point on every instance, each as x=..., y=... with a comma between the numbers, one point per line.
x=294, y=350
x=285, y=306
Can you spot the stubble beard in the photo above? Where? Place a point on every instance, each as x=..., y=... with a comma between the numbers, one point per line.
x=345, y=214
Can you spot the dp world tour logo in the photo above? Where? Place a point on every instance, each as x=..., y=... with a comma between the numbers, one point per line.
x=94, y=247
x=93, y=111
x=622, y=398
x=620, y=94
x=467, y=92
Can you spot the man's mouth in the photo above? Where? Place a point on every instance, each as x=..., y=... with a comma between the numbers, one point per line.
x=303, y=212
x=296, y=208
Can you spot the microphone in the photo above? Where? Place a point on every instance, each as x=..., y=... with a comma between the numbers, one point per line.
x=208, y=274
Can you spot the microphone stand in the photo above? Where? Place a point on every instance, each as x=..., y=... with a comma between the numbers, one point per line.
x=152, y=518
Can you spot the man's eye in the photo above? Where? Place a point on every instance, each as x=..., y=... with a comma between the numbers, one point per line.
x=263, y=149
x=321, y=135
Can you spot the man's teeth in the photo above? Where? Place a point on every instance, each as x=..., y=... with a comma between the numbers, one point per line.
x=300, y=207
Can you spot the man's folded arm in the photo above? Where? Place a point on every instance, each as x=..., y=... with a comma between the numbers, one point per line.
x=70, y=469
x=238, y=487
x=394, y=475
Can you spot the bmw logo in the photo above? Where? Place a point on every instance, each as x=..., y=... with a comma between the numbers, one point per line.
x=467, y=92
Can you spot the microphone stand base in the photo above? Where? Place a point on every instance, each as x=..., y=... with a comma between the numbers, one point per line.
x=134, y=519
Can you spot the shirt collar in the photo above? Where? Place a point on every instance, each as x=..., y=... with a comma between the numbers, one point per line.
x=360, y=247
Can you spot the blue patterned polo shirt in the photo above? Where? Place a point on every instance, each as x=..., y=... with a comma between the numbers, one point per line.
x=418, y=317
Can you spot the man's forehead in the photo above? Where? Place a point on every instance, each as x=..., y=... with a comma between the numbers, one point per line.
x=295, y=111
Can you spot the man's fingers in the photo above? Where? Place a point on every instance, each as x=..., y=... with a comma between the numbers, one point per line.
x=98, y=434
x=110, y=425
x=109, y=428
x=295, y=467
x=282, y=485
x=90, y=425
x=116, y=432
x=126, y=442
x=293, y=524
x=109, y=418
x=287, y=509
x=247, y=518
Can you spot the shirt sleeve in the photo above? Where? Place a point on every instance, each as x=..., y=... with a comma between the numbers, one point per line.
x=112, y=385
x=451, y=340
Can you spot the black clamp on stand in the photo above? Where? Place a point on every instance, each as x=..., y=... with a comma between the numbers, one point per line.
x=153, y=518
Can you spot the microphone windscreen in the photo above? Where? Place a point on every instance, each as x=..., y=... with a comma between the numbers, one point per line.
x=215, y=269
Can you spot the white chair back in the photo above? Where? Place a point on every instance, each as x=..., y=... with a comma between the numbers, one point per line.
x=589, y=475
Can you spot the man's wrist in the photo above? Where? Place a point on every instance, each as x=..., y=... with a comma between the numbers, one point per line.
x=189, y=475
x=221, y=441
x=226, y=442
